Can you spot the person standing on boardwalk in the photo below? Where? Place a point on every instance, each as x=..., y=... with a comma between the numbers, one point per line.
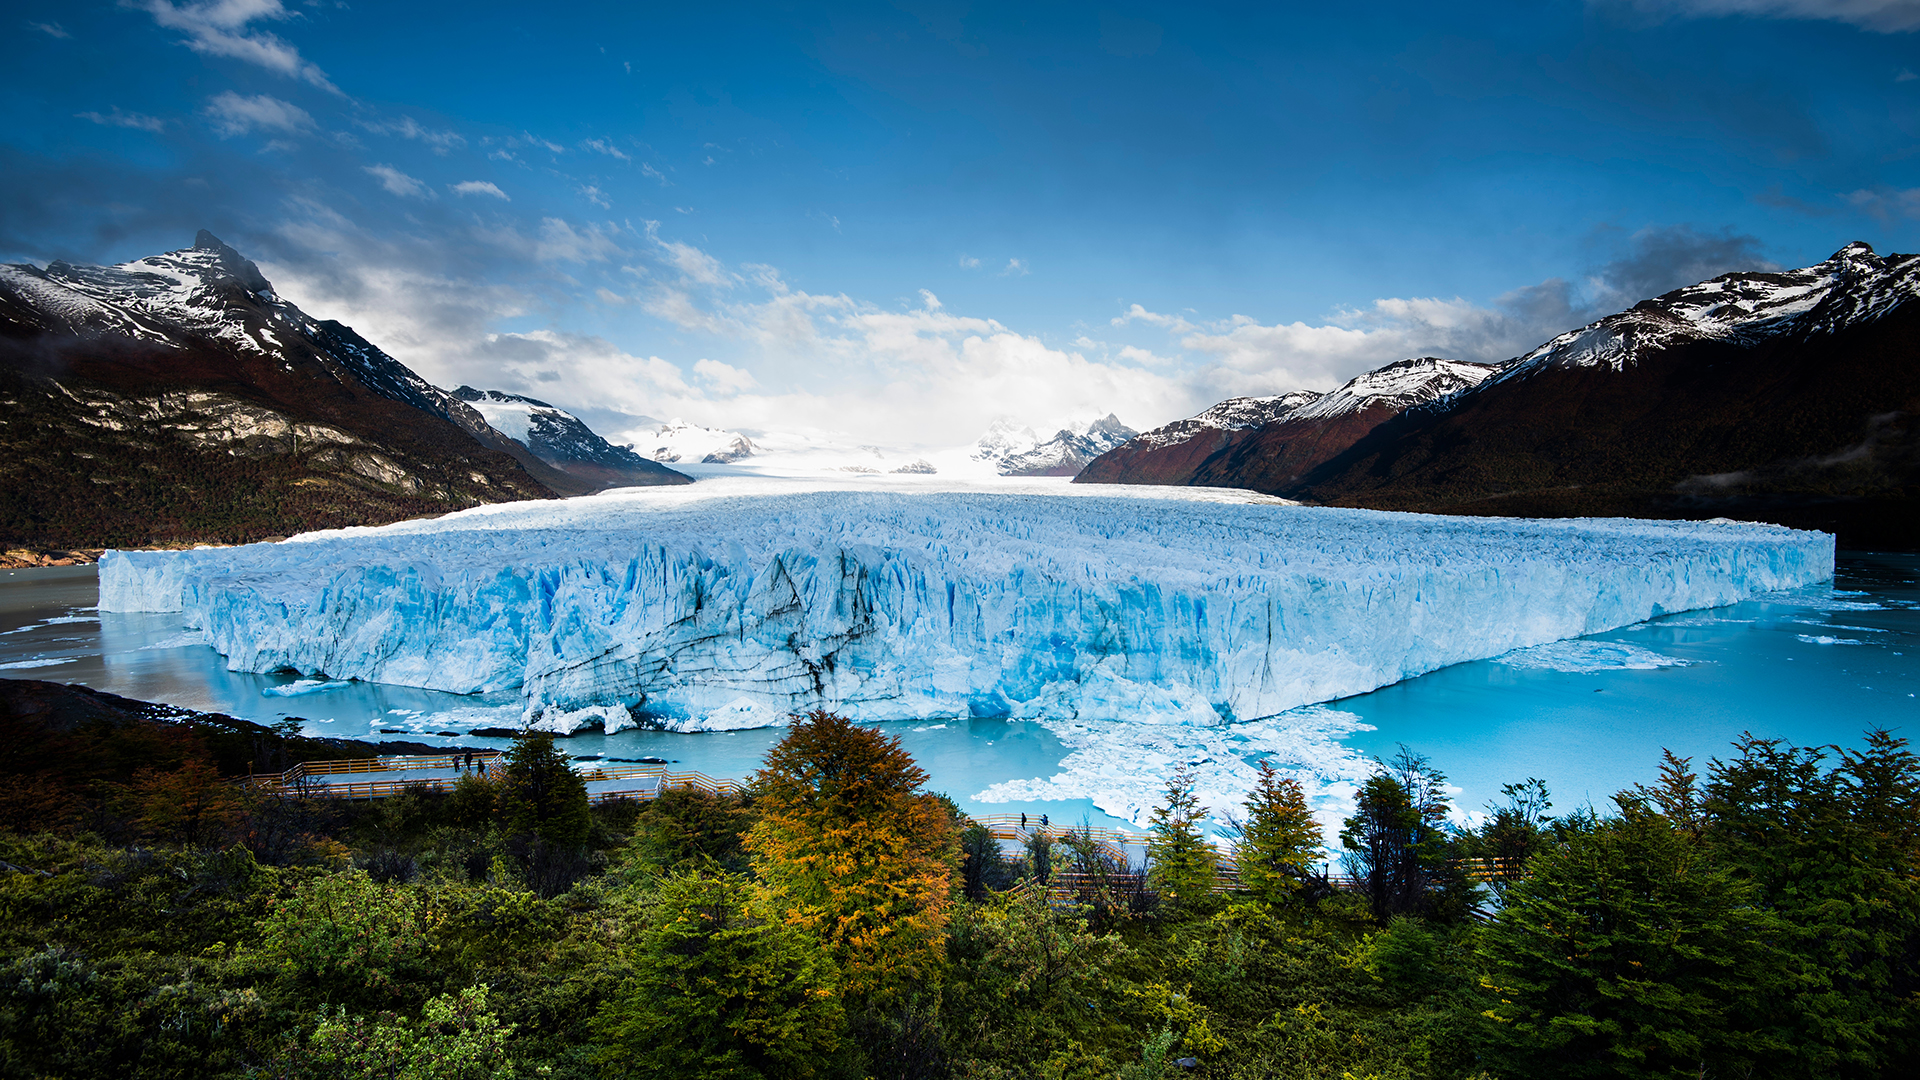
x=1023, y=822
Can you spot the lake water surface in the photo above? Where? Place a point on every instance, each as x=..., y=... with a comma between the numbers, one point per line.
x=1813, y=666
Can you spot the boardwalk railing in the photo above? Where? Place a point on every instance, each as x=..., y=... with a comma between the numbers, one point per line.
x=379, y=778
x=307, y=770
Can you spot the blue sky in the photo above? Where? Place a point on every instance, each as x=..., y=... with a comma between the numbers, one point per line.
x=896, y=222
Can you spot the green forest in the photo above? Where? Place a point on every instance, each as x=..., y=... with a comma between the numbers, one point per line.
x=1755, y=916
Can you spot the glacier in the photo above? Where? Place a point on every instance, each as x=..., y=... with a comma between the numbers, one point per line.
x=737, y=602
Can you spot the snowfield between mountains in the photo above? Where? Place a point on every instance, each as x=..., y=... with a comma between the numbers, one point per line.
x=735, y=602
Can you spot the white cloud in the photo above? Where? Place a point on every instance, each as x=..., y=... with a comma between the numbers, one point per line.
x=441, y=142
x=605, y=146
x=234, y=114
x=116, y=118
x=595, y=196
x=1883, y=16
x=51, y=29
x=1254, y=358
x=1906, y=75
x=397, y=182
x=648, y=170
x=1136, y=313
x=1887, y=203
x=220, y=28
x=561, y=242
x=968, y=262
x=1016, y=268
x=694, y=264
x=479, y=187
x=724, y=378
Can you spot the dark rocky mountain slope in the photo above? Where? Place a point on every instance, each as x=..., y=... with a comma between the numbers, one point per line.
x=177, y=399
x=1787, y=397
x=1173, y=453
x=1267, y=443
x=563, y=441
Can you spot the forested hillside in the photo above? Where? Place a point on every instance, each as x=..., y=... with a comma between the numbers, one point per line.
x=1760, y=918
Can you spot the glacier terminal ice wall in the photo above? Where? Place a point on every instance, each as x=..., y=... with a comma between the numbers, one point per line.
x=711, y=610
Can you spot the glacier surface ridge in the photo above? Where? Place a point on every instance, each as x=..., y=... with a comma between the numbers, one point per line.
x=714, y=606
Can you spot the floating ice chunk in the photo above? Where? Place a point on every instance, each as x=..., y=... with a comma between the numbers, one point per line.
x=303, y=687
x=1583, y=657
x=1823, y=639
x=1122, y=767
x=182, y=640
x=559, y=721
x=739, y=714
x=1025, y=601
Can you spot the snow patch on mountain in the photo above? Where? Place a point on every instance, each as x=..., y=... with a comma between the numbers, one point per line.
x=1397, y=386
x=1012, y=449
x=1233, y=414
x=1853, y=286
x=678, y=441
x=552, y=434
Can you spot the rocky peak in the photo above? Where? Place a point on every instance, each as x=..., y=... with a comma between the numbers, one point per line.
x=232, y=263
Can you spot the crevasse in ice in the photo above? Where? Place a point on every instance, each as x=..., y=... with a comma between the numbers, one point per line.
x=709, y=607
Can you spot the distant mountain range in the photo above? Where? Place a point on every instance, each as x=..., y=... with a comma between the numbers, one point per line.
x=177, y=398
x=563, y=440
x=1787, y=397
x=1014, y=450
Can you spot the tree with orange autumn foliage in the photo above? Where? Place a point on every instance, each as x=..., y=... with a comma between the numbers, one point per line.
x=850, y=848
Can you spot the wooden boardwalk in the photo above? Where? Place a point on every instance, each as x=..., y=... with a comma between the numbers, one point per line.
x=379, y=778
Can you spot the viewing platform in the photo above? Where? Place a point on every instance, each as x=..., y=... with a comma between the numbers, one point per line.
x=379, y=778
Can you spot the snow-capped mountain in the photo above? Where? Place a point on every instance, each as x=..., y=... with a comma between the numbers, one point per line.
x=1398, y=386
x=677, y=440
x=179, y=397
x=1788, y=397
x=560, y=438
x=1264, y=442
x=1233, y=414
x=1014, y=450
x=1852, y=288
x=1172, y=453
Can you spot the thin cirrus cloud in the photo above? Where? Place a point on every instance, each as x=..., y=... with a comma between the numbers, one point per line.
x=51, y=29
x=397, y=182
x=222, y=28
x=440, y=142
x=238, y=114
x=1882, y=16
x=479, y=187
x=115, y=118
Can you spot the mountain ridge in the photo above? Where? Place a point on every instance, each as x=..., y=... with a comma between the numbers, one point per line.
x=178, y=398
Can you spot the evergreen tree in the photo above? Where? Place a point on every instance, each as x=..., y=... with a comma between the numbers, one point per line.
x=721, y=991
x=1278, y=840
x=1180, y=862
x=1394, y=841
x=1632, y=951
x=1835, y=852
x=1514, y=832
x=542, y=795
x=851, y=849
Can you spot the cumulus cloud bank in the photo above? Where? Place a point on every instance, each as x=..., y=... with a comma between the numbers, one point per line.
x=744, y=348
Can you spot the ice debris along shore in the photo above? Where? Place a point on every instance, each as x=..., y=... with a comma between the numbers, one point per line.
x=716, y=606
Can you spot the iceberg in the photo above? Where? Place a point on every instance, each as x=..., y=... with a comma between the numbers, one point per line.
x=735, y=603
